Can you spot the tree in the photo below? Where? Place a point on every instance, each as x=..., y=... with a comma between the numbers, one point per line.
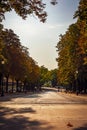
x=11, y=50
x=68, y=60
x=2, y=58
x=21, y=66
x=24, y=8
x=43, y=75
x=48, y=77
x=81, y=12
x=33, y=75
x=72, y=51
x=81, y=15
x=53, y=77
x=1, y=43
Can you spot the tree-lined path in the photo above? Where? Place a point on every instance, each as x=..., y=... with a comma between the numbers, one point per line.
x=42, y=111
x=47, y=96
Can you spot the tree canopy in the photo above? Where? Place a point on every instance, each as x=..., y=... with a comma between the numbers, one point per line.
x=24, y=8
x=18, y=63
x=72, y=52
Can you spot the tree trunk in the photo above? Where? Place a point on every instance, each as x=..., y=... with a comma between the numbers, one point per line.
x=17, y=82
x=0, y=81
x=7, y=77
x=85, y=86
x=12, y=85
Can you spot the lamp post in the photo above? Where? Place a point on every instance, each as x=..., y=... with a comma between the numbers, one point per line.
x=2, y=89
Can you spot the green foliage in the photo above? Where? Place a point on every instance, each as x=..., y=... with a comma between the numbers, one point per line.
x=18, y=62
x=24, y=8
x=2, y=58
x=48, y=78
x=53, y=77
x=72, y=50
x=81, y=13
x=43, y=75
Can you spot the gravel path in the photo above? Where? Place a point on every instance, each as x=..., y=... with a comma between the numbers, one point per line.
x=41, y=112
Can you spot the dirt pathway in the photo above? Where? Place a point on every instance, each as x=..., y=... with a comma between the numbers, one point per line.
x=19, y=114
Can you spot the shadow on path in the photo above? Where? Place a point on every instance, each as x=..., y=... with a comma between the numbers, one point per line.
x=11, y=119
x=84, y=127
x=9, y=97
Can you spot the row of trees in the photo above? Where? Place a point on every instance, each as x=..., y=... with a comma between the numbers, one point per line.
x=72, y=52
x=18, y=65
x=15, y=62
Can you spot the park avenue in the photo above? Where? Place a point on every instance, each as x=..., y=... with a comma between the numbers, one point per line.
x=45, y=110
